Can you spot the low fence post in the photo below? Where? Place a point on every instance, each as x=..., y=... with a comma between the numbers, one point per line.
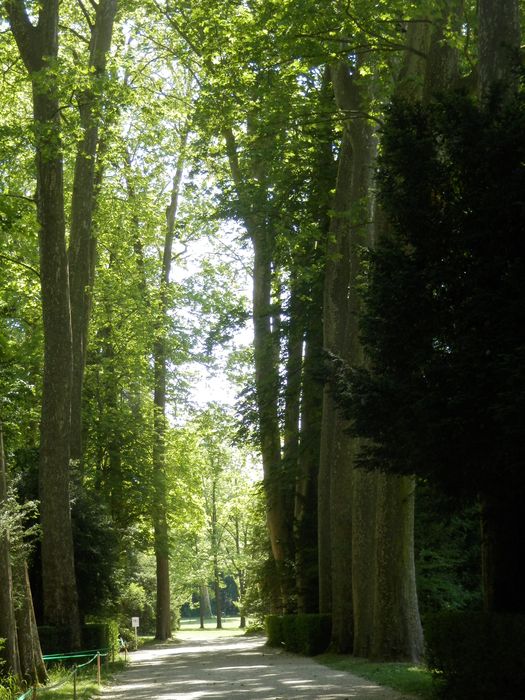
x=74, y=683
x=98, y=668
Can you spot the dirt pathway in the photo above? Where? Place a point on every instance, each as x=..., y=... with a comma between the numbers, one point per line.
x=227, y=668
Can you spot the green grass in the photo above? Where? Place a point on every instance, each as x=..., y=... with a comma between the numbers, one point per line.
x=404, y=677
x=230, y=627
x=87, y=686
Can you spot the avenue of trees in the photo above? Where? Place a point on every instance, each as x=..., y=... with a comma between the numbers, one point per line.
x=359, y=167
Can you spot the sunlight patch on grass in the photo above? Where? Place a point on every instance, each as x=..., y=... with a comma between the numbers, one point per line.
x=191, y=627
x=405, y=677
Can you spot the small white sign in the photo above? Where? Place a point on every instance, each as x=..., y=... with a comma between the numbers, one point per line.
x=135, y=622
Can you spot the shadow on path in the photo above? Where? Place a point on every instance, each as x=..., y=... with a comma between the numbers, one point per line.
x=235, y=667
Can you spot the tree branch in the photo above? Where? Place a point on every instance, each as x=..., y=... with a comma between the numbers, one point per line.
x=26, y=35
x=16, y=261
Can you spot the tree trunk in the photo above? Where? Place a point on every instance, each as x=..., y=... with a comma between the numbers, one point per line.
x=32, y=664
x=266, y=359
x=205, y=605
x=8, y=629
x=82, y=243
x=215, y=551
x=160, y=361
x=38, y=48
x=502, y=527
x=499, y=39
x=398, y=634
x=348, y=231
x=306, y=548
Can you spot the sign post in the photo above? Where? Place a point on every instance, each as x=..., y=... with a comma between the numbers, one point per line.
x=135, y=625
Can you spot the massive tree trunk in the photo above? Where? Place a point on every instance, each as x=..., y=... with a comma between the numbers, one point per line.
x=348, y=233
x=38, y=48
x=8, y=629
x=82, y=243
x=499, y=39
x=334, y=444
x=502, y=524
x=32, y=665
x=160, y=362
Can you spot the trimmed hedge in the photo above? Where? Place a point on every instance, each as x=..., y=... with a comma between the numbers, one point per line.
x=95, y=635
x=274, y=630
x=54, y=640
x=476, y=656
x=307, y=634
x=101, y=635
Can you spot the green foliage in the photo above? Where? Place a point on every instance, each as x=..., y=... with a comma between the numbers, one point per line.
x=476, y=656
x=54, y=640
x=274, y=630
x=443, y=328
x=307, y=634
x=447, y=551
x=95, y=635
x=101, y=635
x=135, y=602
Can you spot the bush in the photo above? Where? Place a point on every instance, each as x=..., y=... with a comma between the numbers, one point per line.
x=95, y=635
x=54, y=640
x=476, y=656
x=307, y=634
x=101, y=635
x=274, y=630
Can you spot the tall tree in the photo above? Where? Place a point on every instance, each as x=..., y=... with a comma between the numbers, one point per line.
x=38, y=47
x=160, y=362
x=82, y=241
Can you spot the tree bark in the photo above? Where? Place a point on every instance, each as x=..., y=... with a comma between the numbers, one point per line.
x=32, y=664
x=38, y=48
x=8, y=629
x=499, y=39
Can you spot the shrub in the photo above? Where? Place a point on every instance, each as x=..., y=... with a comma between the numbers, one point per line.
x=476, y=656
x=54, y=640
x=313, y=632
x=101, y=635
x=307, y=634
x=95, y=635
x=274, y=630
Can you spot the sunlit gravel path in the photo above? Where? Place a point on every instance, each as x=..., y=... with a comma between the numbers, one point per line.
x=227, y=668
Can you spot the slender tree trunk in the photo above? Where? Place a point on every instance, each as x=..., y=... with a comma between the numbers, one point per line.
x=38, y=46
x=307, y=554
x=82, y=245
x=266, y=359
x=215, y=551
x=160, y=361
x=205, y=605
x=8, y=629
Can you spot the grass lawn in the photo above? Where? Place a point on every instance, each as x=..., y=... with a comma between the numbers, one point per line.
x=230, y=628
x=87, y=686
x=405, y=677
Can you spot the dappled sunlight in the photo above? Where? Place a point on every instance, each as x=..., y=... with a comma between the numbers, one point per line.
x=226, y=668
